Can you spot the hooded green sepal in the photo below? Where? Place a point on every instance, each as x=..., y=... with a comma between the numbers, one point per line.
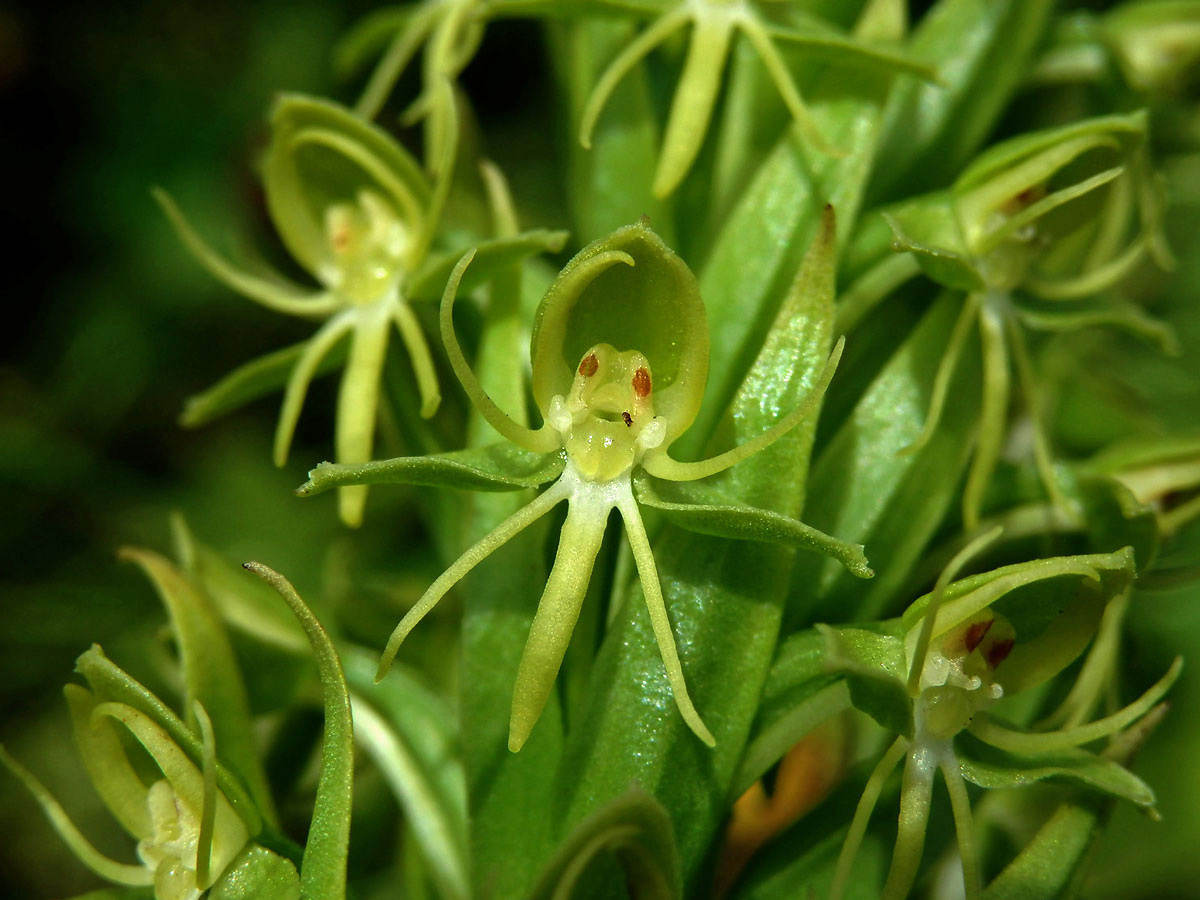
x=109, y=683
x=990, y=767
x=1161, y=472
x=321, y=154
x=323, y=868
x=634, y=828
x=873, y=662
x=496, y=467
x=258, y=874
x=210, y=671
x=491, y=258
x=258, y=378
x=706, y=511
x=628, y=290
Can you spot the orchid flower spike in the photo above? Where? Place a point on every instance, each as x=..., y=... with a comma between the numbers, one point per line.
x=619, y=363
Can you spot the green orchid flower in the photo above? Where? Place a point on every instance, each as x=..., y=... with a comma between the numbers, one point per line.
x=1028, y=252
x=713, y=26
x=934, y=676
x=194, y=823
x=356, y=212
x=619, y=362
x=205, y=822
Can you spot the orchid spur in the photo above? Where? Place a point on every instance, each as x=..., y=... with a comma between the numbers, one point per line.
x=619, y=361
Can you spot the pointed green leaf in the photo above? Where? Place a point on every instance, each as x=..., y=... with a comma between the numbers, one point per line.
x=982, y=49
x=323, y=869
x=210, y=671
x=863, y=489
x=496, y=467
x=1048, y=866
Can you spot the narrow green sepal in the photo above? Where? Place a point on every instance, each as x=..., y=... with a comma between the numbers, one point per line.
x=636, y=829
x=490, y=258
x=257, y=378
x=496, y=467
x=692, y=507
x=991, y=767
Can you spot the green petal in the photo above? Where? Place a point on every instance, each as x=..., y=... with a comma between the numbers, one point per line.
x=496, y=467
x=121, y=873
x=258, y=874
x=119, y=786
x=990, y=767
x=110, y=683
x=701, y=510
x=874, y=664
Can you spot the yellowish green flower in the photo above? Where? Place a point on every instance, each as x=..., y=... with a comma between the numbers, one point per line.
x=619, y=363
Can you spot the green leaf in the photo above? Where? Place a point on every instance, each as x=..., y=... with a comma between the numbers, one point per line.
x=323, y=869
x=863, y=490
x=210, y=671
x=255, y=379
x=800, y=693
x=990, y=767
x=983, y=50
x=496, y=467
x=633, y=827
x=1046, y=868
x=706, y=511
x=406, y=732
x=876, y=672
x=118, y=893
x=250, y=607
x=491, y=257
x=110, y=683
x=258, y=874
x=609, y=185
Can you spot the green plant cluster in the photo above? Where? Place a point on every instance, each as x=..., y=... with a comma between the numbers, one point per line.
x=866, y=322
